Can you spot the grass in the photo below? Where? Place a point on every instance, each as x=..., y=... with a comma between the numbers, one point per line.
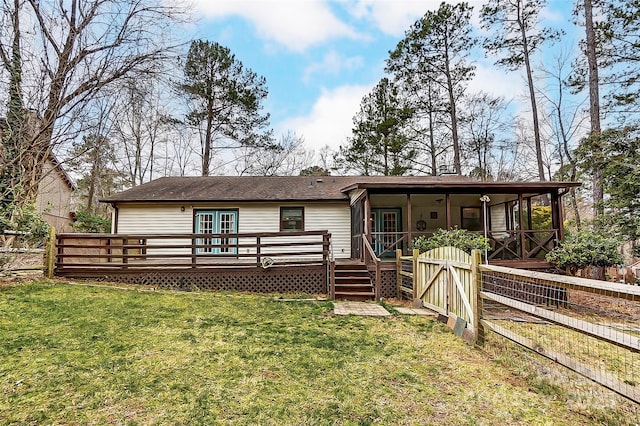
x=74, y=354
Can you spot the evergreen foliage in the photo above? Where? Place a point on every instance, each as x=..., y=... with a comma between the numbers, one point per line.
x=89, y=222
x=458, y=238
x=584, y=249
x=379, y=145
x=226, y=100
x=616, y=153
x=432, y=64
x=25, y=220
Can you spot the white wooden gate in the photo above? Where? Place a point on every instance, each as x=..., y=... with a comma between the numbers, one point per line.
x=445, y=283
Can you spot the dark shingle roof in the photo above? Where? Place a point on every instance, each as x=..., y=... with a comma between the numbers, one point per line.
x=294, y=188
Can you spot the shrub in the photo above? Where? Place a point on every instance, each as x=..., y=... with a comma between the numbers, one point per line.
x=586, y=248
x=459, y=238
x=25, y=220
x=89, y=222
x=541, y=217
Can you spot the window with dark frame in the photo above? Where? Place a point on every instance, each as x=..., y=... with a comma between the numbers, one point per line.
x=471, y=218
x=291, y=219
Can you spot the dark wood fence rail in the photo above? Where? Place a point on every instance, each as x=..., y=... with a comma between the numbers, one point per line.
x=131, y=252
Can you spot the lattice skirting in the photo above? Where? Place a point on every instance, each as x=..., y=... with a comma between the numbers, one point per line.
x=388, y=284
x=292, y=280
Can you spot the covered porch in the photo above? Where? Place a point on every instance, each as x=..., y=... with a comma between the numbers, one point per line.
x=523, y=221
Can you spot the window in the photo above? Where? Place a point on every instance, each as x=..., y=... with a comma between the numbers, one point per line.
x=291, y=218
x=471, y=219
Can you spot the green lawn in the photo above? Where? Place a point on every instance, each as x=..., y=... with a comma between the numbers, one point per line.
x=73, y=354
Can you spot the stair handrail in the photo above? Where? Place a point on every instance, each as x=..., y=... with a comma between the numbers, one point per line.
x=376, y=260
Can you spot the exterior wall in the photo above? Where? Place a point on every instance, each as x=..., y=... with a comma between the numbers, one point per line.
x=252, y=218
x=54, y=199
x=428, y=207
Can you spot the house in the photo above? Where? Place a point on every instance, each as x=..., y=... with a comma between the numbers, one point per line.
x=311, y=234
x=55, y=190
x=387, y=212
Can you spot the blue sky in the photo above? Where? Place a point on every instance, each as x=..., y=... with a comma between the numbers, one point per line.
x=321, y=57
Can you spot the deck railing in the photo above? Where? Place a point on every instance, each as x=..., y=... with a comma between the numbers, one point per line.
x=371, y=258
x=505, y=245
x=131, y=252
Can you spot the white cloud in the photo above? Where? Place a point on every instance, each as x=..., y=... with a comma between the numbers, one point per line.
x=330, y=120
x=498, y=82
x=296, y=25
x=393, y=17
x=332, y=64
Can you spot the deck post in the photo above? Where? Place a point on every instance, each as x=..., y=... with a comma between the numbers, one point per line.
x=476, y=299
x=125, y=251
x=378, y=280
x=326, y=248
x=416, y=252
x=398, y=275
x=332, y=280
x=194, y=252
x=258, y=251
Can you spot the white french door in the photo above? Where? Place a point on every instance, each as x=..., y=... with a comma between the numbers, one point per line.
x=217, y=222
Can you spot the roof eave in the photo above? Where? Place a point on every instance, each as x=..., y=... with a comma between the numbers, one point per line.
x=511, y=186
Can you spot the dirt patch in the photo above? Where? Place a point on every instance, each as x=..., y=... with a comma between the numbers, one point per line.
x=603, y=306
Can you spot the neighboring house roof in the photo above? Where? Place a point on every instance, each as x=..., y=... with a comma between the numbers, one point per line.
x=62, y=172
x=308, y=188
x=57, y=166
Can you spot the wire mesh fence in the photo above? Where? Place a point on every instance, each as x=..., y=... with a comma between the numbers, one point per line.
x=590, y=327
x=20, y=254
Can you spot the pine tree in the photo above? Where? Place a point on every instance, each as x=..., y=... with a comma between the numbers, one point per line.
x=378, y=145
x=226, y=100
x=435, y=52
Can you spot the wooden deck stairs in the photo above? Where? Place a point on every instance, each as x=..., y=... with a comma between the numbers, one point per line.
x=353, y=282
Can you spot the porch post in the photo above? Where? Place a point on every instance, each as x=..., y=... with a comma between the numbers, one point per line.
x=521, y=225
x=447, y=197
x=409, y=220
x=367, y=226
x=367, y=216
x=558, y=214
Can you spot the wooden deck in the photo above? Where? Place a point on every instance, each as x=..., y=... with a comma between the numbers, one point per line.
x=91, y=254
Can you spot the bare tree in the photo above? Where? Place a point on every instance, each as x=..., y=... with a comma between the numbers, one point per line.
x=485, y=127
x=287, y=158
x=79, y=48
x=518, y=36
x=566, y=118
x=139, y=125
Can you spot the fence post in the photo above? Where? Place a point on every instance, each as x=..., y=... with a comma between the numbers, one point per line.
x=50, y=250
x=476, y=299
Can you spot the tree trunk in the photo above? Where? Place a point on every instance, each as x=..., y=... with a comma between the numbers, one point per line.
x=594, y=102
x=454, y=123
x=532, y=97
x=594, y=116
